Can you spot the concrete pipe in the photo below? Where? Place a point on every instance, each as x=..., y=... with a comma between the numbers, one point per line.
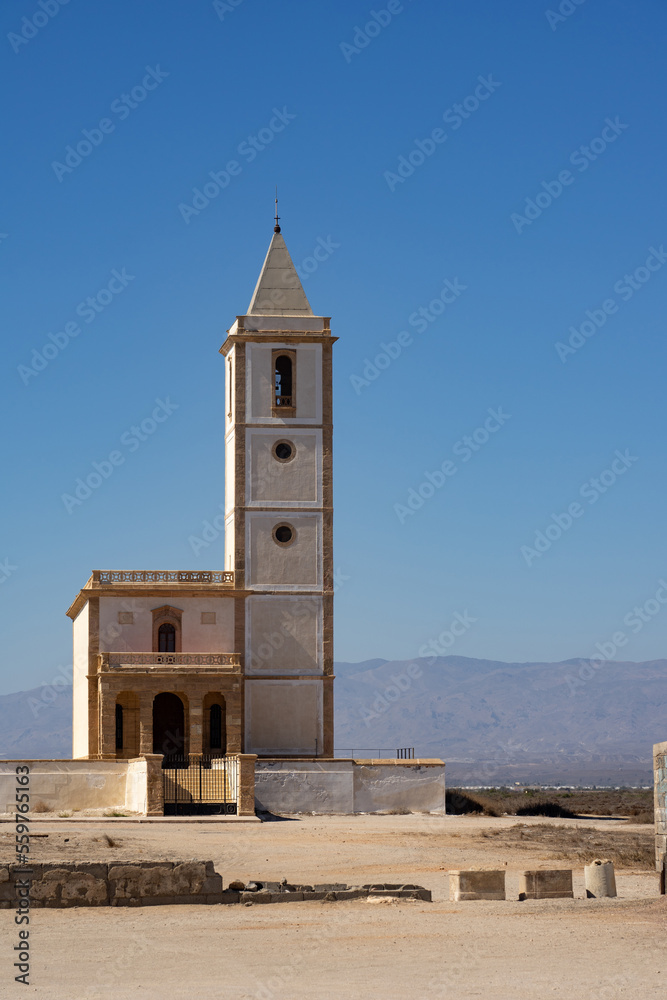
x=599, y=879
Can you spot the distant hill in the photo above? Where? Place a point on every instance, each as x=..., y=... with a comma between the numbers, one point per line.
x=36, y=723
x=492, y=722
x=499, y=722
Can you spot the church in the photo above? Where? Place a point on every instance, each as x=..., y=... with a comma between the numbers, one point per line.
x=238, y=660
x=214, y=688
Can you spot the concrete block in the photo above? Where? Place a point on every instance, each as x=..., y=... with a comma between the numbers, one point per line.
x=83, y=890
x=599, y=879
x=544, y=883
x=60, y=887
x=313, y=895
x=286, y=897
x=476, y=883
x=212, y=884
x=130, y=881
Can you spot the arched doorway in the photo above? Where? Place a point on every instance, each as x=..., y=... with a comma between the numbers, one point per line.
x=168, y=725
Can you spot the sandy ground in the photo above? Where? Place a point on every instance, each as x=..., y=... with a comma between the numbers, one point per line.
x=598, y=949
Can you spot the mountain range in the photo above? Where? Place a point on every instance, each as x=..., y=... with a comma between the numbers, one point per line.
x=493, y=723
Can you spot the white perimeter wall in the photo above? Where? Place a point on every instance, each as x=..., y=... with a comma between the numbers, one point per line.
x=70, y=784
x=346, y=786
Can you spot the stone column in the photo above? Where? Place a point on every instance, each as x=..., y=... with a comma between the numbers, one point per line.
x=107, y=722
x=233, y=719
x=660, y=802
x=145, y=723
x=246, y=789
x=196, y=724
x=154, y=785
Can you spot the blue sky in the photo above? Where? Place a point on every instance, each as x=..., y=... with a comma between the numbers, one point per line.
x=337, y=109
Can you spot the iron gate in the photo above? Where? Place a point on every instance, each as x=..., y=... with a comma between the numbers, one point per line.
x=199, y=783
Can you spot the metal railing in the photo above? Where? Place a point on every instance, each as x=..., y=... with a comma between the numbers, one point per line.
x=218, y=577
x=403, y=753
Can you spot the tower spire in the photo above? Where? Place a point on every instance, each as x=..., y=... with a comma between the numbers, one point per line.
x=276, y=228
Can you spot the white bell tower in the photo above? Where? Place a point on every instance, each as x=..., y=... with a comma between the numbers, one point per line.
x=279, y=510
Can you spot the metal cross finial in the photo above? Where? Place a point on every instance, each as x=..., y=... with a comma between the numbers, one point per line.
x=276, y=228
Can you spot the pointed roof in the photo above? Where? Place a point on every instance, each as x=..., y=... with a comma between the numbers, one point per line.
x=278, y=291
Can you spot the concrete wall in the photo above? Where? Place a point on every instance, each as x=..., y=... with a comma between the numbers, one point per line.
x=382, y=787
x=347, y=786
x=66, y=785
x=660, y=792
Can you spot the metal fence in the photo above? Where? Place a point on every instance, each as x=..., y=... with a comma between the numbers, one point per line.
x=199, y=783
x=403, y=753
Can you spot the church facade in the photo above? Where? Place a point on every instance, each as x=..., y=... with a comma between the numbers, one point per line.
x=237, y=660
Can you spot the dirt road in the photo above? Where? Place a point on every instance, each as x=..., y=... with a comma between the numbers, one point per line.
x=597, y=949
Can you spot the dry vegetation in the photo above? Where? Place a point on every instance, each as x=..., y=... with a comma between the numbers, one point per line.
x=635, y=803
x=577, y=844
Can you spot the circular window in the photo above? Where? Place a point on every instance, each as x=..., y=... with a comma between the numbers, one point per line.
x=284, y=534
x=284, y=451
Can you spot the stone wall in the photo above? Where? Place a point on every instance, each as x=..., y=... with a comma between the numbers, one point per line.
x=349, y=786
x=63, y=884
x=660, y=792
x=134, y=883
